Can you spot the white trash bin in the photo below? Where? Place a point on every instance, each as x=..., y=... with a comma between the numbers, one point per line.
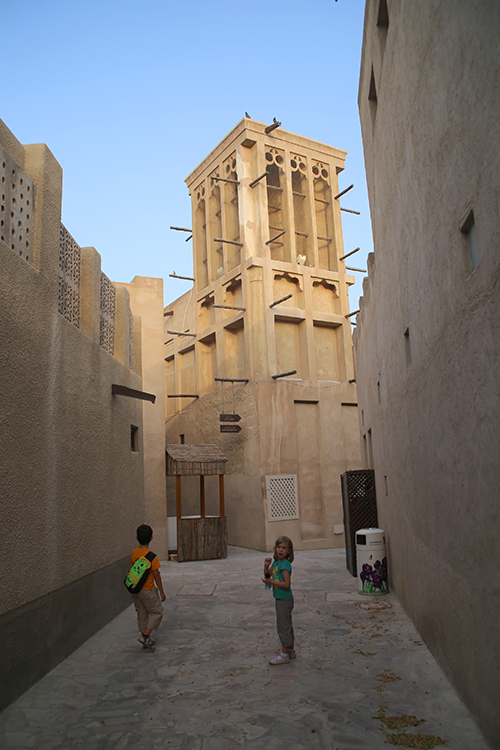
x=371, y=562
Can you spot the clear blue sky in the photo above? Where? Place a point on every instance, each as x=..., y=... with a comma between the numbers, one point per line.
x=131, y=96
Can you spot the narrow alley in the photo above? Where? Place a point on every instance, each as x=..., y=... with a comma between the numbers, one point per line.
x=362, y=677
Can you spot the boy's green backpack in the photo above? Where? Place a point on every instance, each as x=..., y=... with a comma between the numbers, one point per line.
x=136, y=577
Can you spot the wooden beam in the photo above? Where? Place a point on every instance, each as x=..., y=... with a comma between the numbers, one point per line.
x=273, y=304
x=254, y=183
x=231, y=380
x=122, y=390
x=273, y=239
x=182, y=395
x=228, y=242
x=339, y=195
x=230, y=307
x=348, y=254
x=224, y=179
x=175, y=276
x=272, y=127
x=179, y=333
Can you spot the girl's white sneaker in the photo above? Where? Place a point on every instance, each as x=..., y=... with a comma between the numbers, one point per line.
x=280, y=659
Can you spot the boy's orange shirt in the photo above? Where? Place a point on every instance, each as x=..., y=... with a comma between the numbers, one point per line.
x=142, y=552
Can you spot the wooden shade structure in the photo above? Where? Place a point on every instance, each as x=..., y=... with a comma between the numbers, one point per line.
x=199, y=538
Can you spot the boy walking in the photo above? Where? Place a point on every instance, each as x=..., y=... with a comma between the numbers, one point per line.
x=148, y=601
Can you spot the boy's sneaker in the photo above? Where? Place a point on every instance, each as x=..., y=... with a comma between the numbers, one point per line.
x=280, y=659
x=147, y=642
x=292, y=654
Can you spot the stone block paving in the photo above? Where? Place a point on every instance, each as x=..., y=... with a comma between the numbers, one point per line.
x=208, y=685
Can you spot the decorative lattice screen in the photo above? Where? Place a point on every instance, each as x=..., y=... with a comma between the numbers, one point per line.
x=282, y=497
x=131, y=341
x=107, y=330
x=16, y=207
x=360, y=509
x=69, y=277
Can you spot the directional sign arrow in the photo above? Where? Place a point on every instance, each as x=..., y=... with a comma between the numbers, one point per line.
x=229, y=417
x=230, y=428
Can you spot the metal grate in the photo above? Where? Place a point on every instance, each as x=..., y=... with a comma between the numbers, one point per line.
x=360, y=509
x=16, y=207
x=282, y=497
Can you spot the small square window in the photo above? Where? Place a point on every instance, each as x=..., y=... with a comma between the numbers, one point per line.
x=469, y=230
x=383, y=15
x=382, y=25
x=407, y=346
x=134, y=438
x=372, y=97
x=370, y=450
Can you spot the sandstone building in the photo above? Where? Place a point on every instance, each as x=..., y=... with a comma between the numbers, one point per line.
x=146, y=302
x=71, y=474
x=428, y=337
x=264, y=334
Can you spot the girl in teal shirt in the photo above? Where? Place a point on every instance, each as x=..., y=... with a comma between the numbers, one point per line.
x=278, y=573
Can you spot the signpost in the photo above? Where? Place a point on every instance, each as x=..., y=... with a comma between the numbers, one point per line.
x=230, y=428
x=229, y=418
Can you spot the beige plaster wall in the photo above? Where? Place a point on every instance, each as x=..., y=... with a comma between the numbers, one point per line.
x=286, y=428
x=431, y=151
x=72, y=489
x=302, y=433
x=146, y=301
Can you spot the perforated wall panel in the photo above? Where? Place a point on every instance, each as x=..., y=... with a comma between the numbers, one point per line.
x=282, y=497
x=107, y=329
x=69, y=277
x=16, y=207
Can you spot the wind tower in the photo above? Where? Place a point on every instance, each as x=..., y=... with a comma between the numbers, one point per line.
x=266, y=335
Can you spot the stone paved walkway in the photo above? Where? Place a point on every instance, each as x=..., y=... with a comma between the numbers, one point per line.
x=209, y=686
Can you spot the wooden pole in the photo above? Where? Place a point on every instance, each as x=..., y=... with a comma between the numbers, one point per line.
x=348, y=254
x=202, y=496
x=224, y=179
x=254, y=183
x=231, y=307
x=179, y=511
x=231, y=380
x=222, y=511
x=273, y=304
x=178, y=495
x=284, y=374
x=228, y=242
x=336, y=197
